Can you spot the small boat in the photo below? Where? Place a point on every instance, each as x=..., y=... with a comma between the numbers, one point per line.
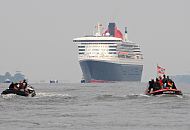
x=165, y=91
x=53, y=81
x=82, y=81
x=30, y=92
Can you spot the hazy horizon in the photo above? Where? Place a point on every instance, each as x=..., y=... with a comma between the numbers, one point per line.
x=36, y=36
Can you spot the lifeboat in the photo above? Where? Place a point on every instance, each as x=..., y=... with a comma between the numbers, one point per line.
x=165, y=91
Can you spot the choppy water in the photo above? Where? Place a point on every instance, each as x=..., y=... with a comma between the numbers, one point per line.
x=110, y=106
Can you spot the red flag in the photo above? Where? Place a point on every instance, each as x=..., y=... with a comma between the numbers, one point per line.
x=160, y=70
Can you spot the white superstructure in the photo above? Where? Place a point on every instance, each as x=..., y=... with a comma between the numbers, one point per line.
x=107, y=48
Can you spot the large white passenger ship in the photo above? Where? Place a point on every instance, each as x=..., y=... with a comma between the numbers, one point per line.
x=109, y=56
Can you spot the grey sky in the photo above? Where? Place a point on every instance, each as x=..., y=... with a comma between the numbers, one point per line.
x=36, y=35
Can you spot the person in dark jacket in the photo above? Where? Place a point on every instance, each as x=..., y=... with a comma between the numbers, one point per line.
x=170, y=83
x=25, y=84
x=174, y=86
x=156, y=85
x=151, y=85
x=164, y=81
x=11, y=86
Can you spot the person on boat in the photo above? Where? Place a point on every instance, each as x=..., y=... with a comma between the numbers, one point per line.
x=164, y=81
x=174, y=86
x=170, y=83
x=15, y=86
x=151, y=85
x=25, y=84
x=20, y=86
x=161, y=82
x=11, y=86
x=156, y=85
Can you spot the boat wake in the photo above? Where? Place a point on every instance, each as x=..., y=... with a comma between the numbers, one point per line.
x=9, y=96
x=186, y=95
x=166, y=95
x=136, y=96
x=39, y=95
x=109, y=97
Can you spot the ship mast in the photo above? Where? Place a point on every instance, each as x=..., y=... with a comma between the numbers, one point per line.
x=126, y=35
x=98, y=27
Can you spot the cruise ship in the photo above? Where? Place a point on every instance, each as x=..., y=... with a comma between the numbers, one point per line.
x=108, y=56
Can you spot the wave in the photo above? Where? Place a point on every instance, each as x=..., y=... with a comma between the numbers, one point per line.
x=42, y=98
x=41, y=94
x=136, y=96
x=110, y=97
x=120, y=97
x=186, y=95
x=38, y=95
x=9, y=96
x=157, y=96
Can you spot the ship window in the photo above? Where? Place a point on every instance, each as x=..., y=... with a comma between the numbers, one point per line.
x=112, y=49
x=81, y=52
x=81, y=49
x=112, y=46
x=81, y=46
x=112, y=52
x=97, y=40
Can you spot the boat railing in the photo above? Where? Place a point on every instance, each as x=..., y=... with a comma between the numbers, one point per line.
x=112, y=59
